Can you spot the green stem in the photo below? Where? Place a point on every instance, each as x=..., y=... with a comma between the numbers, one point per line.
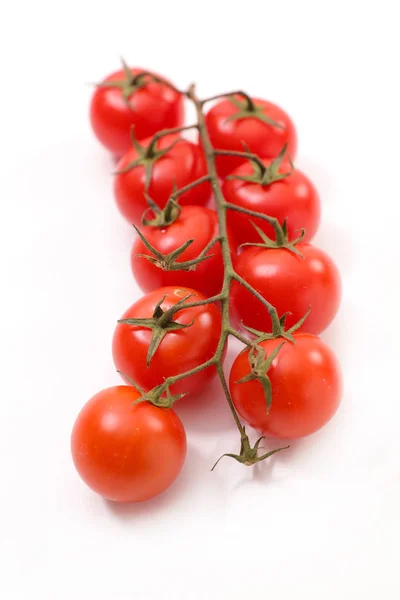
x=216, y=298
x=252, y=213
x=225, y=248
x=172, y=130
x=222, y=378
x=246, y=97
x=171, y=380
x=247, y=454
x=271, y=309
x=189, y=186
x=246, y=155
x=239, y=336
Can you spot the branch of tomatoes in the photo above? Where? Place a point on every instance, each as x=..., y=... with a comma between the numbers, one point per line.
x=160, y=395
x=177, y=326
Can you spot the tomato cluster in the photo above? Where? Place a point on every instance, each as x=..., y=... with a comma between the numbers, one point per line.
x=224, y=227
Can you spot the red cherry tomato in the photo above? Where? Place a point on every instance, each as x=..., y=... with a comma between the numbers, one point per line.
x=178, y=352
x=194, y=222
x=293, y=198
x=127, y=452
x=181, y=165
x=290, y=283
x=261, y=138
x=306, y=388
x=150, y=107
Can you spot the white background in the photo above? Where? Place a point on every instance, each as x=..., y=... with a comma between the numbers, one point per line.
x=322, y=519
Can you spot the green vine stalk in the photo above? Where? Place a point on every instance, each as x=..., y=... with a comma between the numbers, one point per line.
x=161, y=395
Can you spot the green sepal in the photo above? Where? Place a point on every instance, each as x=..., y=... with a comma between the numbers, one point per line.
x=129, y=84
x=168, y=262
x=160, y=396
x=266, y=175
x=281, y=241
x=147, y=156
x=160, y=324
x=259, y=365
x=280, y=331
x=251, y=110
x=162, y=217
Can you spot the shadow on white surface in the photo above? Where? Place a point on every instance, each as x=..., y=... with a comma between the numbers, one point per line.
x=180, y=490
x=279, y=466
x=287, y=456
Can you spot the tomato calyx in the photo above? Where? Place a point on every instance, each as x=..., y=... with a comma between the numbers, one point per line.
x=147, y=155
x=159, y=396
x=259, y=366
x=249, y=109
x=278, y=329
x=130, y=83
x=168, y=262
x=265, y=175
x=160, y=324
x=162, y=217
x=248, y=455
x=281, y=239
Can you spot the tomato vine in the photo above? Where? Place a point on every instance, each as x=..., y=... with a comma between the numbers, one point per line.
x=234, y=271
x=160, y=396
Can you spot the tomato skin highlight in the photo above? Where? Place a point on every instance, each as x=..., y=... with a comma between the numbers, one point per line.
x=259, y=137
x=182, y=165
x=293, y=198
x=155, y=107
x=178, y=352
x=290, y=283
x=127, y=452
x=194, y=222
x=306, y=388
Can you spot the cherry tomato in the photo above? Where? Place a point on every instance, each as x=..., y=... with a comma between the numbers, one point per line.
x=181, y=165
x=290, y=283
x=261, y=138
x=127, y=452
x=194, y=222
x=293, y=198
x=178, y=352
x=149, y=107
x=306, y=388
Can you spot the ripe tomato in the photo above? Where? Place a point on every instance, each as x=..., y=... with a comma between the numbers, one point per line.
x=147, y=105
x=194, y=222
x=229, y=133
x=288, y=282
x=306, y=388
x=178, y=352
x=181, y=165
x=127, y=452
x=293, y=198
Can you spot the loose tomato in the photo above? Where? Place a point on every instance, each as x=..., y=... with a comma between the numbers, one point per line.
x=123, y=100
x=306, y=388
x=178, y=352
x=127, y=452
x=264, y=130
x=194, y=222
x=290, y=283
x=181, y=165
x=293, y=198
